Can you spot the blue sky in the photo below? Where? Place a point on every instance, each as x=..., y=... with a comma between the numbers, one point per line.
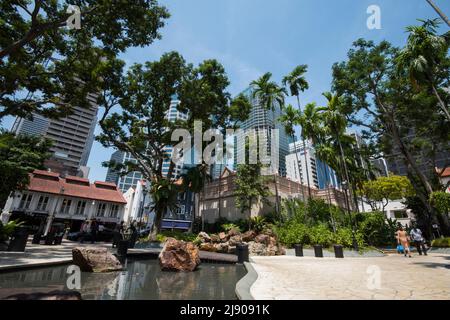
x=251, y=37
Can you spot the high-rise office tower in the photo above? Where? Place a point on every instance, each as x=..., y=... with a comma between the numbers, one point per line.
x=72, y=137
x=266, y=121
x=320, y=174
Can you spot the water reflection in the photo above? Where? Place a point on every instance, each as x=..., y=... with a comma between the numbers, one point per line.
x=143, y=279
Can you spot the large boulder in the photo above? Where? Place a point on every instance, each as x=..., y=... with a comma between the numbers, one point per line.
x=52, y=295
x=204, y=237
x=232, y=232
x=262, y=249
x=94, y=259
x=179, y=256
x=248, y=236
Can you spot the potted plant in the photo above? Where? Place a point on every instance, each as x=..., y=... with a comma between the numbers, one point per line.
x=6, y=230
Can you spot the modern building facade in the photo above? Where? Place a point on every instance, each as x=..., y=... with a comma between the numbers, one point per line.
x=72, y=137
x=264, y=122
x=321, y=175
x=51, y=198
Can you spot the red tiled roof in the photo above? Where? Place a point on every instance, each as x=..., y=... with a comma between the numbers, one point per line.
x=61, y=186
x=446, y=172
x=46, y=173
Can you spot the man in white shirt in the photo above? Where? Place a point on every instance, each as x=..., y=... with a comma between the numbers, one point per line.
x=419, y=241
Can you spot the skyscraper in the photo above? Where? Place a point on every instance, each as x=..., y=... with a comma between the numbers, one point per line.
x=320, y=174
x=262, y=120
x=72, y=137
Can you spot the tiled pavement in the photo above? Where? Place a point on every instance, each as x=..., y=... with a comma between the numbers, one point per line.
x=393, y=277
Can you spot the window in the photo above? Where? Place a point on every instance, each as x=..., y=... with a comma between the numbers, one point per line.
x=101, y=209
x=400, y=214
x=42, y=203
x=65, y=206
x=25, y=201
x=81, y=206
x=114, y=210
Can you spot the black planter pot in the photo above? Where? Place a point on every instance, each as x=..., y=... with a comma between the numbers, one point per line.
x=122, y=248
x=49, y=238
x=318, y=251
x=37, y=238
x=242, y=252
x=18, y=240
x=58, y=240
x=298, y=250
x=338, y=251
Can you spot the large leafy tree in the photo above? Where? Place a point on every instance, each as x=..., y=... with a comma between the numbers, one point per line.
x=47, y=68
x=136, y=105
x=19, y=155
x=425, y=59
x=380, y=191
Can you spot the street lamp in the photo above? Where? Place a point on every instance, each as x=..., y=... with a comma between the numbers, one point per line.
x=347, y=203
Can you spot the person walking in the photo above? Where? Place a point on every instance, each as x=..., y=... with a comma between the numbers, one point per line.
x=403, y=239
x=419, y=241
x=94, y=230
x=84, y=230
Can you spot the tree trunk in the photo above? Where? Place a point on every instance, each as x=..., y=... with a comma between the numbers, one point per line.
x=439, y=12
x=277, y=201
x=304, y=150
x=441, y=103
x=156, y=227
x=299, y=168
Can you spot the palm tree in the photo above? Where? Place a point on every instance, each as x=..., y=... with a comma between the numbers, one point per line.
x=195, y=180
x=336, y=123
x=423, y=57
x=296, y=83
x=290, y=118
x=268, y=95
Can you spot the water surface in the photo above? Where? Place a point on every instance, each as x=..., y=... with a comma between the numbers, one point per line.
x=142, y=279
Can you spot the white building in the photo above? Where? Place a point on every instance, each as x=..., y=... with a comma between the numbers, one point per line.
x=49, y=198
x=320, y=174
x=139, y=203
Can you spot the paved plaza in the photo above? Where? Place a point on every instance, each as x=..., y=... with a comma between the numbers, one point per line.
x=393, y=277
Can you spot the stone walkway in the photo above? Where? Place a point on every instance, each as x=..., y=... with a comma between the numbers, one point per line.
x=393, y=277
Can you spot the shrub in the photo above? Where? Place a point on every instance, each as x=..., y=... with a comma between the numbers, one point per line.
x=229, y=226
x=292, y=233
x=258, y=223
x=320, y=234
x=441, y=243
x=344, y=237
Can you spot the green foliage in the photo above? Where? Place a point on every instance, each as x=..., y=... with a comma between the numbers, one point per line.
x=441, y=243
x=47, y=68
x=383, y=189
x=441, y=201
x=292, y=233
x=320, y=234
x=377, y=230
x=258, y=223
x=20, y=155
x=6, y=230
x=230, y=226
x=184, y=236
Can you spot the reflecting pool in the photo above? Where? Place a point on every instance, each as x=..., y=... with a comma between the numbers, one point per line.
x=142, y=279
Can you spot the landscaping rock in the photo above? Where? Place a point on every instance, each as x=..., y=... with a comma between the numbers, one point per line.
x=52, y=295
x=261, y=249
x=221, y=247
x=215, y=238
x=204, y=237
x=222, y=236
x=179, y=256
x=262, y=238
x=233, y=232
x=234, y=240
x=208, y=246
x=231, y=249
x=94, y=259
x=248, y=236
